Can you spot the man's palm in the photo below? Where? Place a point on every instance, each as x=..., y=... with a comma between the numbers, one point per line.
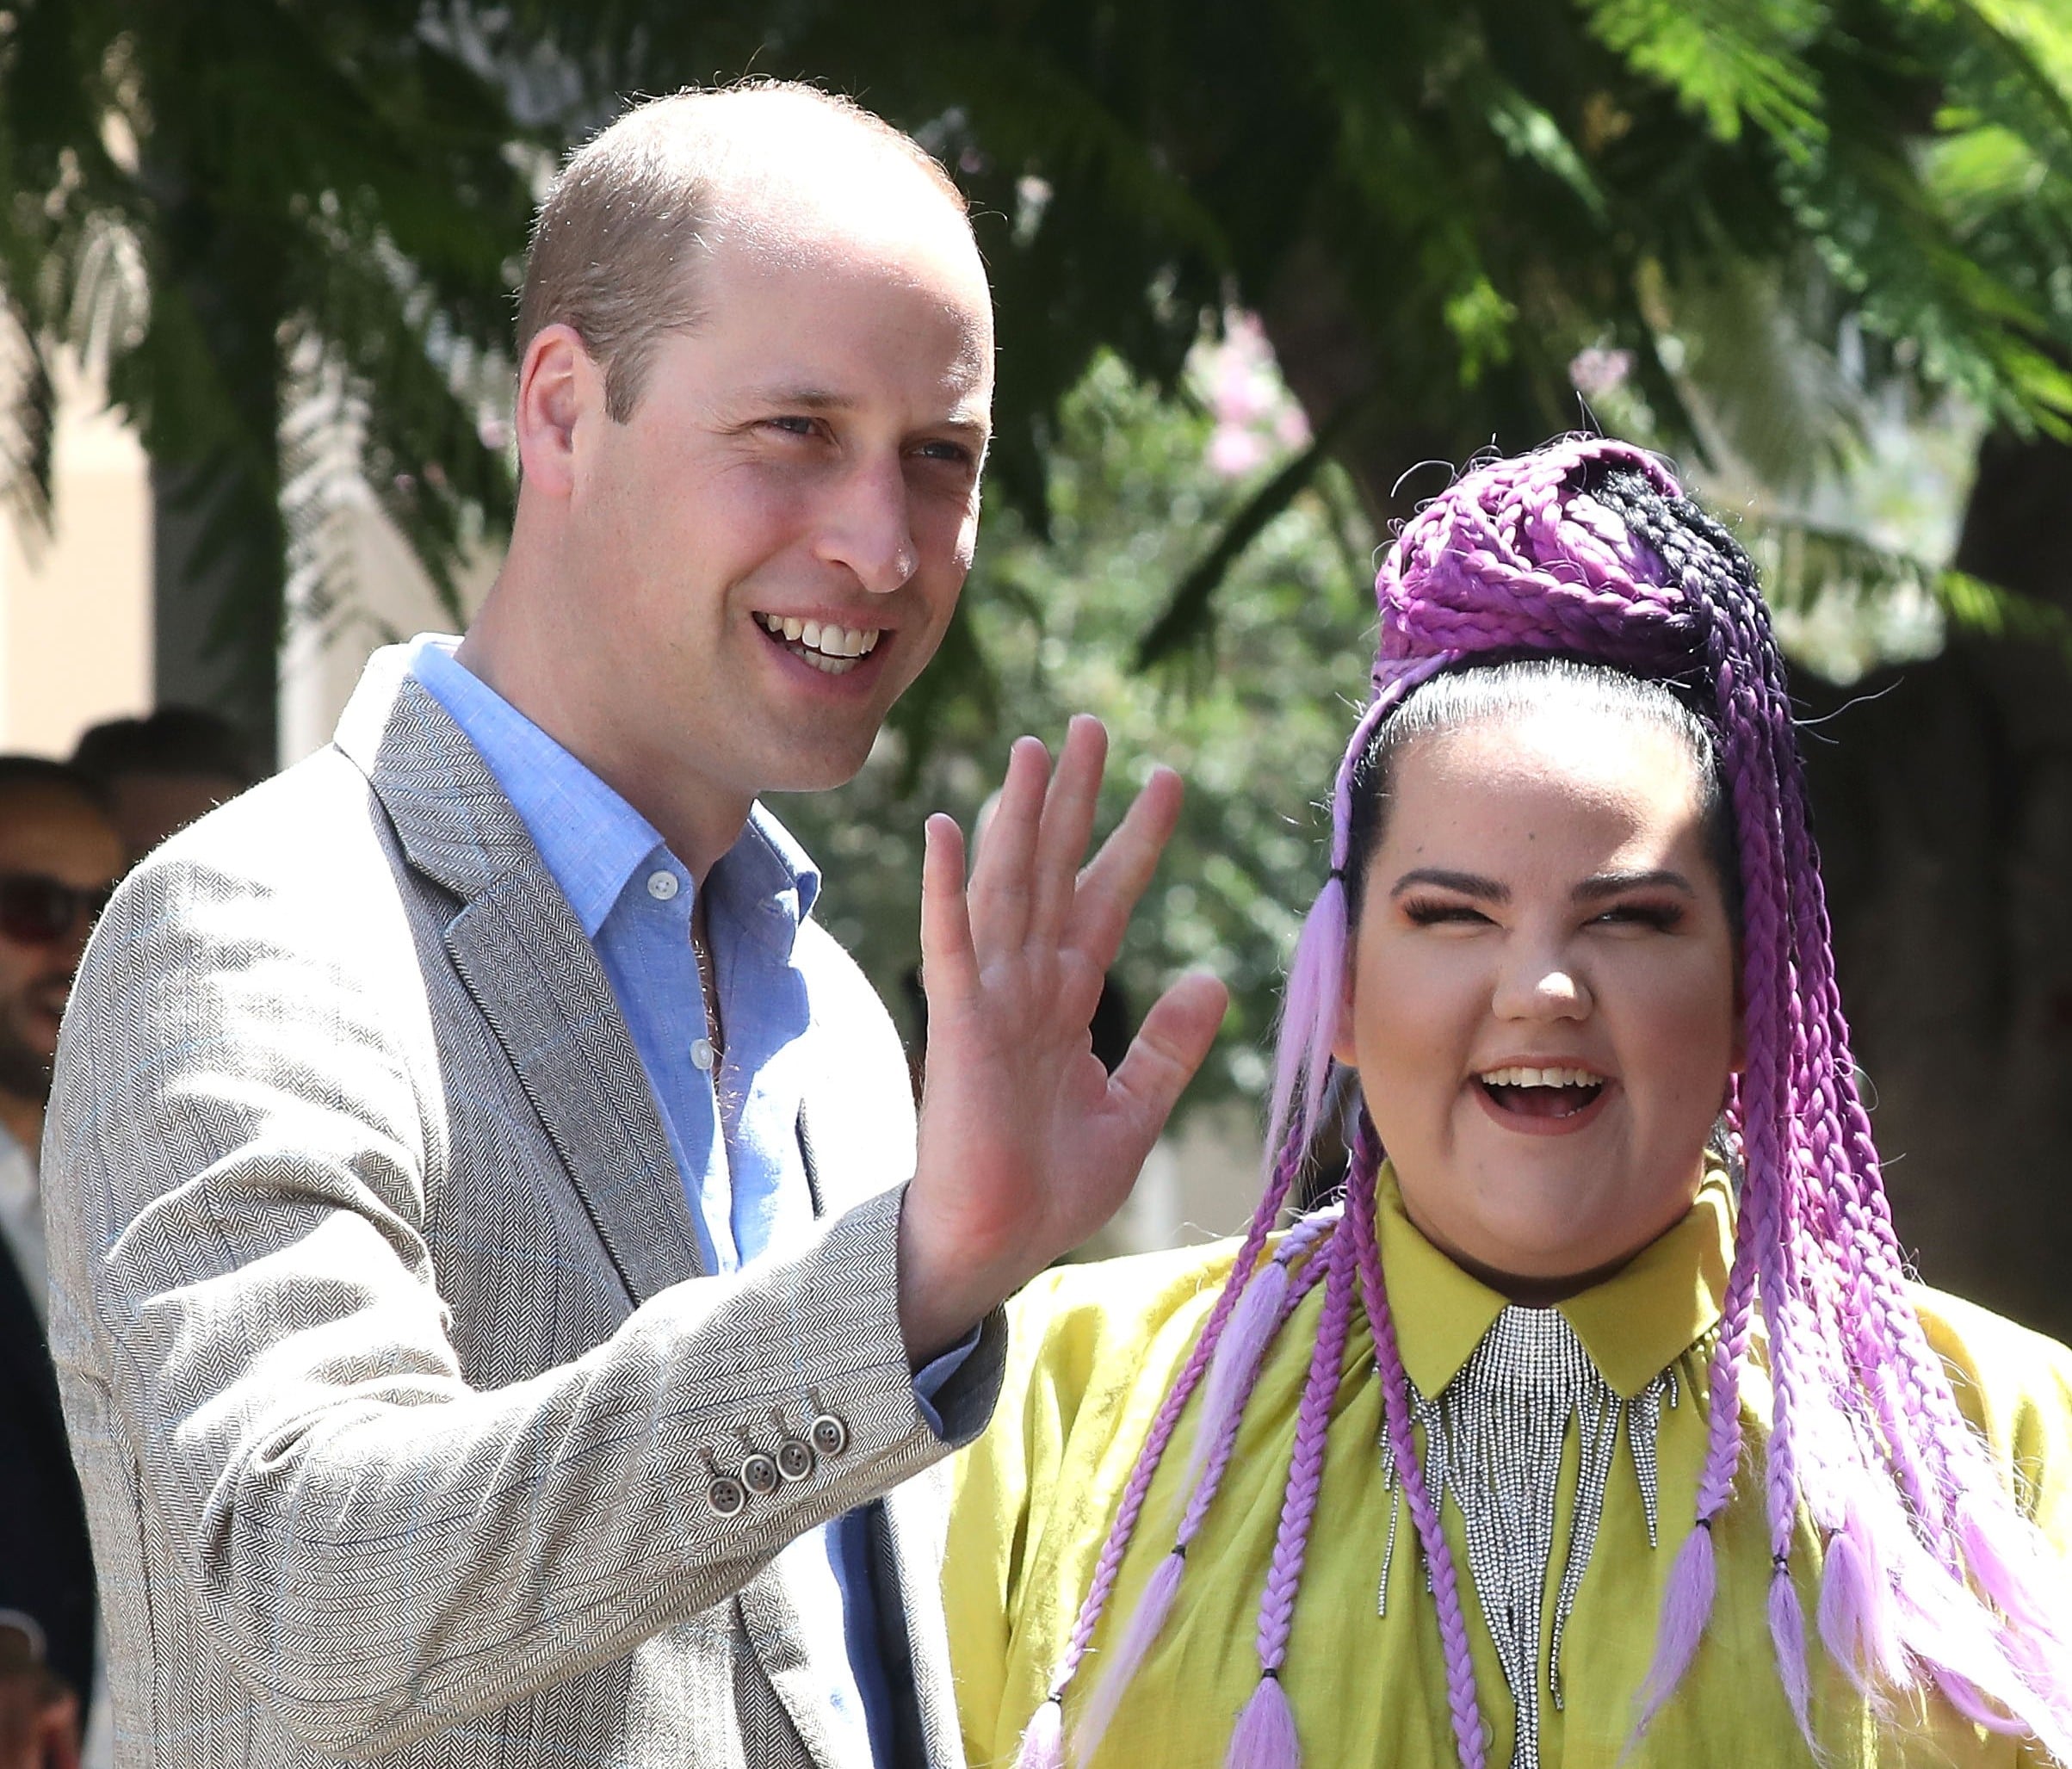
x=1028, y=1145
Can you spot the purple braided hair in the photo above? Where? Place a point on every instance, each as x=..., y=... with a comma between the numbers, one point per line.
x=1470, y=1735
x=1931, y=1577
x=1044, y=1743
x=1268, y=1301
x=1266, y=1737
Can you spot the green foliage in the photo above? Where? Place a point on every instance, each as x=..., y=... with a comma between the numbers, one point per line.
x=1844, y=605
x=1435, y=208
x=1255, y=711
x=222, y=206
x=1727, y=60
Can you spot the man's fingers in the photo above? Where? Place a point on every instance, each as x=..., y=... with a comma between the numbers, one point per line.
x=1068, y=810
x=1000, y=885
x=1169, y=1047
x=1116, y=877
x=948, y=962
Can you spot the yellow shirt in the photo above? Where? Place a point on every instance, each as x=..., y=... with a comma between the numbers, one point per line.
x=1094, y=1349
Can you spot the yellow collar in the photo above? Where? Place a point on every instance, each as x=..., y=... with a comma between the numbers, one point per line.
x=1634, y=1325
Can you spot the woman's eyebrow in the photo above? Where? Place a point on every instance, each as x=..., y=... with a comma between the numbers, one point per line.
x=1611, y=884
x=1469, y=884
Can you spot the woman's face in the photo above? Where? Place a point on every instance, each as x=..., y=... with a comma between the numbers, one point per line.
x=1540, y=999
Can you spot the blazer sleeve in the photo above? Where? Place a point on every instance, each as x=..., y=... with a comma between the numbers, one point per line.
x=250, y=1328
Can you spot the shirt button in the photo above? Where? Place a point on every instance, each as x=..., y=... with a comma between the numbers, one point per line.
x=701, y=1053
x=662, y=886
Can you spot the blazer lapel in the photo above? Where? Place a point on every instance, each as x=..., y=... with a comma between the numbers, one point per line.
x=537, y=982
x=529, y=968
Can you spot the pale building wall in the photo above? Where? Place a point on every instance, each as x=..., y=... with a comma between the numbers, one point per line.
x=75, y=605
x=390, y=599
x=76, y=632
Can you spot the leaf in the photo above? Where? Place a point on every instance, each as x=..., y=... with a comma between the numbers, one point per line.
x=1726, y=60
x=1531, y=133
x=28, y=428
x=1185, y=616
x=1806, y=563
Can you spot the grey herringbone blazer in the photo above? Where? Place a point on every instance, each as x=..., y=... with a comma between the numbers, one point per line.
x=396, y=1416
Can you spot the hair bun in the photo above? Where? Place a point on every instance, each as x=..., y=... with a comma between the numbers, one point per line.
x=1525, y=554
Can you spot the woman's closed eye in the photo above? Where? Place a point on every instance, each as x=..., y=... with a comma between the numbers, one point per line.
x=1660, y=918
x=1435, y=912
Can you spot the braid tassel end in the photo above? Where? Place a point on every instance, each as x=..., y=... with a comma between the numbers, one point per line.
x=1266, y=1737
x=1044, y=1742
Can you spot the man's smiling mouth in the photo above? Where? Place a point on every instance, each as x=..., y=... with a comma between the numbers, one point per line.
x=1541, y=1093
x=834, y=650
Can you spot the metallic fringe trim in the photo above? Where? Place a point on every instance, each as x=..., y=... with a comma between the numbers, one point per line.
x=1493, y=1439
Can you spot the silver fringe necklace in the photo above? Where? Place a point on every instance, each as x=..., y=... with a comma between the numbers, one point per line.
x=1493, y=1437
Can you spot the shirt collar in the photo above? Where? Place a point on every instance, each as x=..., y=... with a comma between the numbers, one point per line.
x=1634, y=1324
x=779, y=864
x=589, y=839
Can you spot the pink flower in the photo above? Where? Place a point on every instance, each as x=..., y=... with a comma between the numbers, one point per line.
x=1234, y=451
x=1598, y=371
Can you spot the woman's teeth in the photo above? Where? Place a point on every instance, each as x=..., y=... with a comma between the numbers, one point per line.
x=835, y=650
x=1541, y=1093
x=1538, y=1077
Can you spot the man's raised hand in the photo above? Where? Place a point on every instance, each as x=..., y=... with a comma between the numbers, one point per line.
x=1028, y=1145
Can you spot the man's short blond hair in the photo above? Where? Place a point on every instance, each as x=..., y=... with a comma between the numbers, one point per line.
x=615, y=247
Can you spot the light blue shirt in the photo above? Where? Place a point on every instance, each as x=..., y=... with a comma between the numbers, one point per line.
x=732, y=1120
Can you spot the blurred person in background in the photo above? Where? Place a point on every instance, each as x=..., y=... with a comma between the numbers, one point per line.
x=59, y=856
x=163, y=770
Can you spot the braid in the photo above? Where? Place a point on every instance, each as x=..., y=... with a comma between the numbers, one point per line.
x=1225, y=1390
x=1265, y=1737
x=1042, y=1745
x=1469, y=1735
x=1865, y=1426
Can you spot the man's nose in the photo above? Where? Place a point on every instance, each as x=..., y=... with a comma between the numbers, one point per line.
x=869, y=528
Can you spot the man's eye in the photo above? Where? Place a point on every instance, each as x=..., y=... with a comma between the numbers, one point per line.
x=952, y=453
x=794, y=425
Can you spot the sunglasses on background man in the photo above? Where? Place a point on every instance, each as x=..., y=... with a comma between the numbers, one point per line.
x=36, y=910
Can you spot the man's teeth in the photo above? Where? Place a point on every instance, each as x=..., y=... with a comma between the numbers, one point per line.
x=826, y=645
x=1539, y=1078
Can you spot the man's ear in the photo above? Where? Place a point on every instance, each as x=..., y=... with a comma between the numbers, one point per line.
x=560, y=387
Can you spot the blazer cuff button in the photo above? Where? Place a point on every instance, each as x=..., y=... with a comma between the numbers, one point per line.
x=830, y=1435
x=759, y=1475
x=725, y=1495
x=795, y=1459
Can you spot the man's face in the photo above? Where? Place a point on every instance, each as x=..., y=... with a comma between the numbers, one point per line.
x=46, y=835
x=772, y=545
